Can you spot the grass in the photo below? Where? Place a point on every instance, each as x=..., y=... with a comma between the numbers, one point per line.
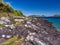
x=2, y=25
x=9, y=41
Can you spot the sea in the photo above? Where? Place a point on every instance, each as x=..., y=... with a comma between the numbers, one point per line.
x=55, y=21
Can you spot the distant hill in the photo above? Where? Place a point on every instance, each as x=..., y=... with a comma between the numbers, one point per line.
x=57, y=15
x=37, y=16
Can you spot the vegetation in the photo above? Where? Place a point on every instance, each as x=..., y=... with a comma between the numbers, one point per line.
x=1, y=25
x=19, y=41
x=1, y=0
x=9, y=41
x=50, y=23
x=18, y=13
x=8, y=10
x=18, y=23
x=14, y=41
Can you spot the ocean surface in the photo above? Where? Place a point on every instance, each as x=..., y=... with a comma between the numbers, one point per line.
x=55, y=21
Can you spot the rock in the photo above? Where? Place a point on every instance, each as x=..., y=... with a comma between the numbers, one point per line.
x=8, y=36
x=4, y=20
x=36, y=32
x=3, y=36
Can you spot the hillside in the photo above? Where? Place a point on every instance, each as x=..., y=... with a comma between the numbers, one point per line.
x=7, y=10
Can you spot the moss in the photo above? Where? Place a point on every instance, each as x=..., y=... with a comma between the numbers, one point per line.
x=2, y=25
x=50, y=23
x=19, y=41
x=18, y=23
x=9, y=41
x=12, y=41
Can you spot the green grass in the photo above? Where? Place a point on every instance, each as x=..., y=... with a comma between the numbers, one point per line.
x=4, y=7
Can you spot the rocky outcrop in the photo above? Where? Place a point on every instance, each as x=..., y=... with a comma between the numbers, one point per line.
x=35, y=31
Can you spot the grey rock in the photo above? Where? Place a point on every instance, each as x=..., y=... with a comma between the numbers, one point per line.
x=37, y=32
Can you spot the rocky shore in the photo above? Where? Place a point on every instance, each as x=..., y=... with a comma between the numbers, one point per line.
x=17, y=29
x=35, y=31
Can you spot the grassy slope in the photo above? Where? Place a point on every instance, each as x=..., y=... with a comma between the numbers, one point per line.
x=7, y=10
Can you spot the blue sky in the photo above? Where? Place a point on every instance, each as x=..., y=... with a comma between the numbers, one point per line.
x=36, y=7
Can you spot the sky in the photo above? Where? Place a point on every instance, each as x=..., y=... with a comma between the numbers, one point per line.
x=36, y=7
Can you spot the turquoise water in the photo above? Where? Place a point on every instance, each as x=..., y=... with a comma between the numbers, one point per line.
x=56, y=22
